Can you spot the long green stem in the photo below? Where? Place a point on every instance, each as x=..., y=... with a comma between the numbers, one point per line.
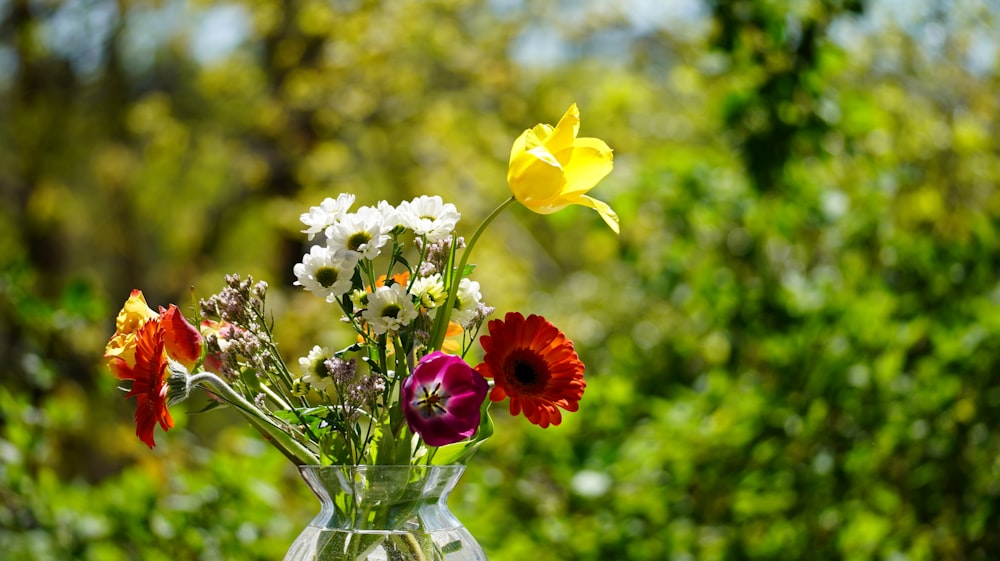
x=275, y=397
x=444, y=314
x=290, y=447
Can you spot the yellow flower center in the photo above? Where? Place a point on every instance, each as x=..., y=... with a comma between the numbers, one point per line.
x=326, y=276
x=320, y=369
x=357, y=240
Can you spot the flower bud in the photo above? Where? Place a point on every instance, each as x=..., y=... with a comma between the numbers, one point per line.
x=178, y=382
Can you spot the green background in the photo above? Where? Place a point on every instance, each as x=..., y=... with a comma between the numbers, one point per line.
x=792, y=348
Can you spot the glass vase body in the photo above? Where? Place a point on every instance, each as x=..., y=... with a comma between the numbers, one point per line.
x=384, y=513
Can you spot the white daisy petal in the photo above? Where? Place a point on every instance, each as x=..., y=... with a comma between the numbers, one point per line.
x=429, y=291
x=466, y=303
x=321, y=217
x=363, y=232
x=315, y=372
x=326, y=273
x=389, y=309
x=390, y=215
x=429, y=216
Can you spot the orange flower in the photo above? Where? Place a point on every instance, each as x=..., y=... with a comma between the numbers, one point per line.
x=140, y=350
x=534, y=364
x=399, y=278
x=452, y=346
x=182, y=340
x=133, y=314
x=148, y=374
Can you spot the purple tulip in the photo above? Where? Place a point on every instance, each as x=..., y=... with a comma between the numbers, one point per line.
x=442, y=397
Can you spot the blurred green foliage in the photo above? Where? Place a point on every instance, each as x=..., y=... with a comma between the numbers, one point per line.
x=792, y=348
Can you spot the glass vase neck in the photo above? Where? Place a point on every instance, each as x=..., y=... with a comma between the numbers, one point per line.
x=382, y=498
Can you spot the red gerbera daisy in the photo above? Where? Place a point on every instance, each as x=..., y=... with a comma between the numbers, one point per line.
x=534, y=364
x=148, y=377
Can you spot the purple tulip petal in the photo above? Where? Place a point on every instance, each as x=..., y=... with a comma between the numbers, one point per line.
x=442, y=397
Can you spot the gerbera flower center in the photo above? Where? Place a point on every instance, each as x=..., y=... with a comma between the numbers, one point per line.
x=326, y=276
x=357, y=240
x=391, y=311
x=524, y=372
x=527, y=370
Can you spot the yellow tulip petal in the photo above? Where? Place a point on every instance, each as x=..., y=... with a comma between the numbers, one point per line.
x=539, y=186
x=526, y=151
x=550, y=168
x=541, y=153
x=602, y=208
x=564, y=134
x=539, y=134
x=518, y=149
x=591, y=161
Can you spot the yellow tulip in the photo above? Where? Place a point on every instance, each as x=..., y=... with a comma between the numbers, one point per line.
x=550, y=168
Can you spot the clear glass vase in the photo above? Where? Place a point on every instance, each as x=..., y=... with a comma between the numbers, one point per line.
x=386, y=513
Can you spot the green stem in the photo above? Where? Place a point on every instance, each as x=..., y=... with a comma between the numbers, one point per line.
x=444, y=314
x=283, y=441
x=275, y=397
x=414, y=546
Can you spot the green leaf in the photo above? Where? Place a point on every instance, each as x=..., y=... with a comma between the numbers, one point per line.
x=250, y=379
x=320, y=419
x=383, y=445
x=461, y=452
x=349, y=349
x=334, y=449
x=404, y=454
x=212, y=404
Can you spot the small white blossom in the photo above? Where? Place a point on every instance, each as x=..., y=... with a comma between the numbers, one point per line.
x=319, y=218
x=430, y=291
x=466, y=303
x=390, y=215
x=300, y=387
x=326, y=273
x=363, y=232
x=359, y=297
x=316, y=372
x=429, y=216
x=389, y=309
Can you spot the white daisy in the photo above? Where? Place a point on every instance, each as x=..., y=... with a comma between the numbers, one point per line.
x=315, y=371
x=430, y=291
x=321, y=217
x=466, y=303
x=429, y=216
x=389, y=309
x=390, y=215
x=363, y=232
x=326, y=273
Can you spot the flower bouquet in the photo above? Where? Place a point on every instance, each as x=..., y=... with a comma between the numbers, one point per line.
x=402, y=393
